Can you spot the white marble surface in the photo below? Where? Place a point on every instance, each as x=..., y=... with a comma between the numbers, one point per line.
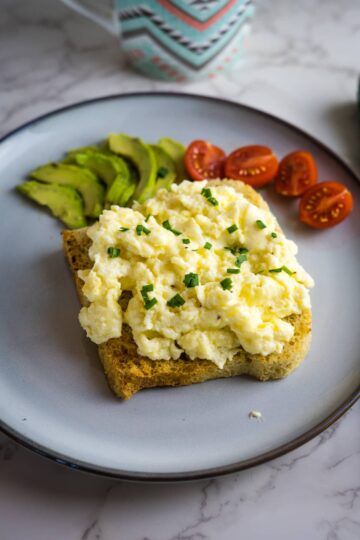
x=302, y=64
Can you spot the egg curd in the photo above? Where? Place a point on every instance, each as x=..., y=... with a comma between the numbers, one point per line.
x=208, y=272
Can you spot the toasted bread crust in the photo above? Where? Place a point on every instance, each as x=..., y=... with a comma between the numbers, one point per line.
x=127, y=372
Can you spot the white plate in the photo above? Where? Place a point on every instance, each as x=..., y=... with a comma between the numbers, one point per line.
x=53, y=395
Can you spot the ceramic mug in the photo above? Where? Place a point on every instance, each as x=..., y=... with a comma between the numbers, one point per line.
x=174, y=40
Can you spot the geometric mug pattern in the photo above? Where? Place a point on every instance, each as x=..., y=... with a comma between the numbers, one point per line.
x=179, y=39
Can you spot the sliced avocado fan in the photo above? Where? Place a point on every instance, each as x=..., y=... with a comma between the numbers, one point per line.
x=176, y=151
x=83, y=180
x=110, y=168
x=143, y=158
x=63, y=201
x=166, y=168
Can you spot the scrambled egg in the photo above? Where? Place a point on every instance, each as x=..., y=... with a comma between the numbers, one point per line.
x=208, y=272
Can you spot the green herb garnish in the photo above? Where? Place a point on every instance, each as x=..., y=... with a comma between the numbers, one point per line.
x=176, y=301
x=147, y=218
x=260, y=224
x=191, y=280
x=185, y=241
x=240, y=259
x=207, y=245
x=113, y=252
x=206, y=192
x=146, y=289
x=213, y=201
x=233, y=270
x=286, y=269
x=168, y=227
x=232, y=228
x=162, y=172
x=142, y=229
x=282, y=269
x=273, y=235
x=149, y=303
x=259, y=272
x=235, y=250
x=123, y=229
x=226, y=284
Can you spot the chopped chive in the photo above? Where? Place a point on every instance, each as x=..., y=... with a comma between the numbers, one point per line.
x=185, y=241
x=233, y=270
x=232, y=228
x=146, y=289
x=123, y=229
x=286, y=269
x=147, y=218
x=113, y=252
x=149, y=303
x=206, y=192
x=259, y=272
x=207, y=245
x=260, y=224
x=162, y=172
x=213, y=201
x=282, y=269
x=240, y=259
x=235, y=250
x=191, y=280
x=141, y=229
x=176, y=301
x=226, y=284
x=273, y=235
x=167, y=226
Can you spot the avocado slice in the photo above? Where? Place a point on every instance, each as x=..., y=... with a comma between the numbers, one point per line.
x=63, y=201
x=106, y=166
x=70, y=155
x=143, y=158
x=79, y=178
x=120, y=191
x=123, y=187
x=166, y=168
x=176, y=151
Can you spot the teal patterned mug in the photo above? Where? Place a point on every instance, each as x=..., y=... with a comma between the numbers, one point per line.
x=174, y=40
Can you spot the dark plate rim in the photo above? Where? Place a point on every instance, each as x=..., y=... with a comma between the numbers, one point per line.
x=202, y=473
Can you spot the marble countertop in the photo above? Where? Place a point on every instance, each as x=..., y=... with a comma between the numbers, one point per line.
x=301, y=64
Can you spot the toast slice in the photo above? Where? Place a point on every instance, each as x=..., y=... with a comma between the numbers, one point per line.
x=127, y=372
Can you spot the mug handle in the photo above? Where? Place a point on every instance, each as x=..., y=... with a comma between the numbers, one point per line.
x=102, y=15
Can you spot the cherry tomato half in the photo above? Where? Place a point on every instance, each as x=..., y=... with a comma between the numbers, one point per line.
x=326, y=204
x=254, y=165
x=297, y=172
x=204, y=160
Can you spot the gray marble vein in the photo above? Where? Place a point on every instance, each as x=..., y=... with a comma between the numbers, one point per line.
x=302, y=64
